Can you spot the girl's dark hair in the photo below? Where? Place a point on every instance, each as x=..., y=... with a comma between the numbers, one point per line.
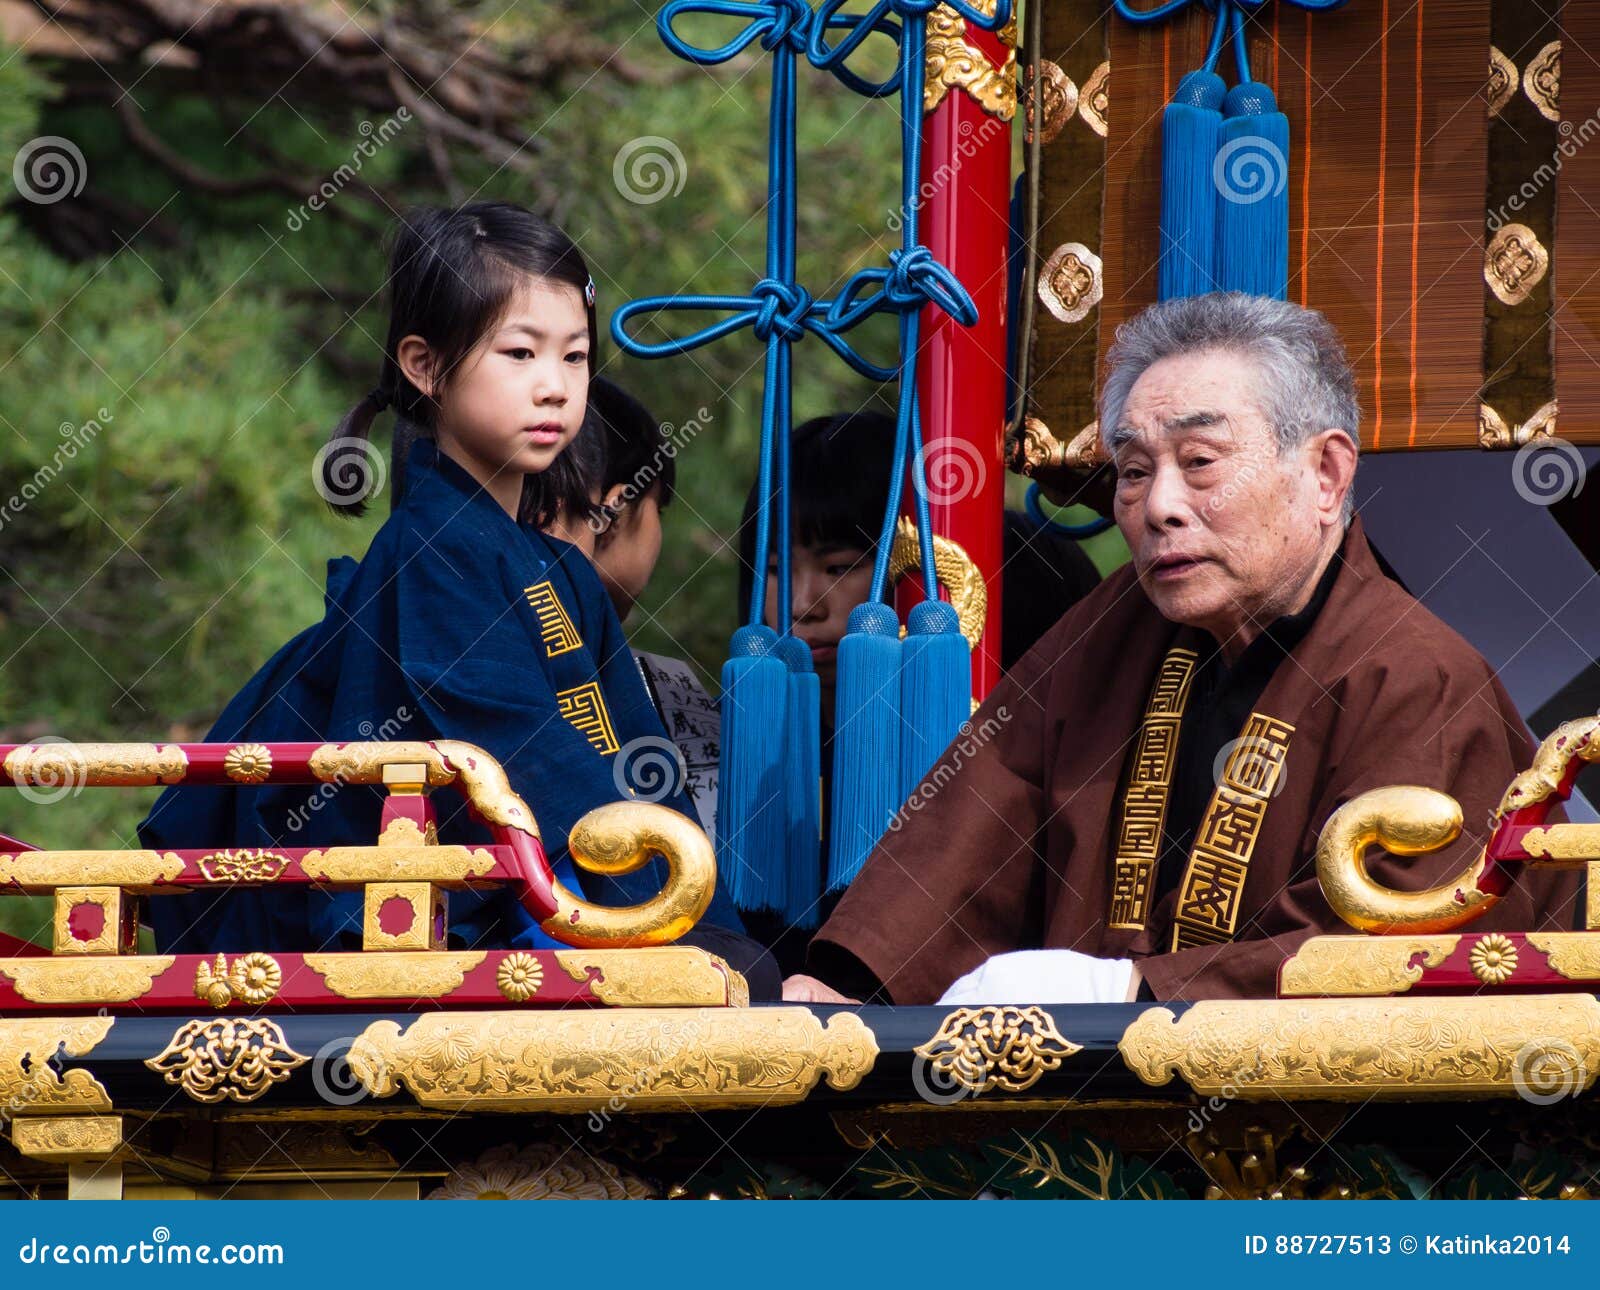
x=452, y=274
x=626, y=445
x=839, y=485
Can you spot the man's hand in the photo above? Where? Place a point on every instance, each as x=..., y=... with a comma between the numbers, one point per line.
x=801, y=988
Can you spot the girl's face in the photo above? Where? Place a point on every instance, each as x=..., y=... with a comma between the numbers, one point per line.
x=516, y=400
x=826, y=583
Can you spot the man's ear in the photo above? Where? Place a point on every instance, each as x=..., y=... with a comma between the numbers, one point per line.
x=415, y=360
x=1334, y=459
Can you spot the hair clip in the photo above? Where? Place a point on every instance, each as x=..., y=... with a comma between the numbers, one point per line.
x=588, y=293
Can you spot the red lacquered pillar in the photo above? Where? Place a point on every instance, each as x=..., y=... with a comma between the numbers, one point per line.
x=961, y=371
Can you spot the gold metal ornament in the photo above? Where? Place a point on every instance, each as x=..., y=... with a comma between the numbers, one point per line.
x=31, y=1083
x=1071, y=282
x=952, y=62
x=95, y=765
x=1094, y=102
x=519, y=977
x=1059, y=97
x=1358, y=1049
x=81, y=978
x=618, y=838
x=243, y=866
x=394, y=974
x=1492, y=958
x=423, y=864
x=1362, y=965
x=580, y=1060
x=227, y=1058
x=1542, y=780
x=251, y=978
x=980, y=1049
x=67, y=1139
x=662, y=976
x=1541, y=81
x=955, y=569
x=1503, y=81
x=248, y=763
x=1514, y=263
x=1574, y=955
x=1404, y=820
x=1494, y=432
x=39, y=872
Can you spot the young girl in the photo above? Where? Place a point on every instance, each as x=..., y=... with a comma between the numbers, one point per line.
x=463, y=621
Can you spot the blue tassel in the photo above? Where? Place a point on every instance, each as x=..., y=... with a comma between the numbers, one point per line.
x=1252, y=184
x=935, y=688
x=751, y=852
x=1189, y=130
x=866, y=739
x=802, y=786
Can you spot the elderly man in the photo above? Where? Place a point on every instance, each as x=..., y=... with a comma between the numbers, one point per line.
x=1141, y=819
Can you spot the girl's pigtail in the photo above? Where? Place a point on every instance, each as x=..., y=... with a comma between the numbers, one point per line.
x=345, y=473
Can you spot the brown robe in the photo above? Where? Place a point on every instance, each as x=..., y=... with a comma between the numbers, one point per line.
x=1015, y=848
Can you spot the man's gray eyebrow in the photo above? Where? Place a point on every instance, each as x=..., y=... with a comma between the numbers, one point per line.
x=1195, y=420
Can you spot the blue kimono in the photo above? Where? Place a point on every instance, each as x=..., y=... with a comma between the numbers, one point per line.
x=460, y=623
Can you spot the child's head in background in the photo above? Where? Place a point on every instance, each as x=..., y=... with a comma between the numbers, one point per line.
x=489, y=350
x=628, y=463
x=839, y=484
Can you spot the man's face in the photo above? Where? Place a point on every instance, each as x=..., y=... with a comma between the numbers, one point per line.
x=1224, y=530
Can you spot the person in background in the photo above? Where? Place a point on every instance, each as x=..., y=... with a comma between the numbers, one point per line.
x=839, y=484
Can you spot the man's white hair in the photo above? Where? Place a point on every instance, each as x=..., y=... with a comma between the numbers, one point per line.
x=1305, y=383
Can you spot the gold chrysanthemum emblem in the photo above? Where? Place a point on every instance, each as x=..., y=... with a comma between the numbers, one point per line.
x=519, y=977
x=248, y=763
x=1494, y=958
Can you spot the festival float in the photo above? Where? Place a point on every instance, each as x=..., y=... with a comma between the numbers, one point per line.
x=1424, y=224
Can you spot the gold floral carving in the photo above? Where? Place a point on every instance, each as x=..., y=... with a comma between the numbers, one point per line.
x=1514, y=263
x=1362, y=965
x=397, y=864
x=85, y=978
x=417, y=974
x=1574, y=955
x=233, y=1058
x=664, y=976
x=541, y=1171
x=519, y=977
x=42, y=871
x=1355, y=1049
x=1060, y=99
x=483, y=780
x=1578, y=739
x=952, y=62
x=1071, y=282
x=979, y=1049
x=250, y=978
x=95, y=765
x=579, y=1060
x=1493, y=958
x=243, y=866
x=1563, y=842
x=954, y=568
x=248, y=763
x=67, y=1137
x=31, y=1083
x=1094, y=103
x=1495, y=432
x=1541, y=81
